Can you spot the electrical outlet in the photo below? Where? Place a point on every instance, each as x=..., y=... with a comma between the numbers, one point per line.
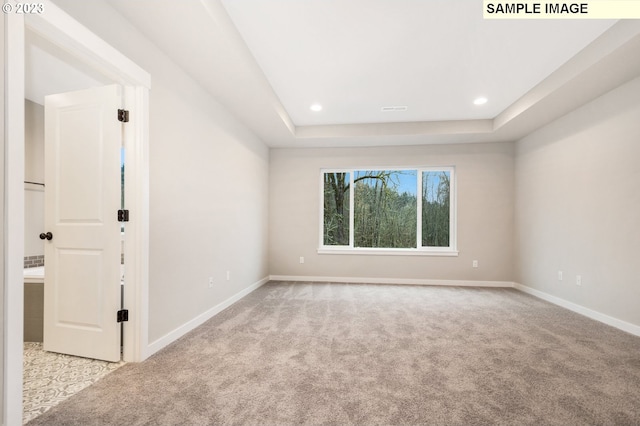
x=578, y=279
x=475, y=263
x=301, y=259
x=228, y=275
x=559, y=275
x=210, y=282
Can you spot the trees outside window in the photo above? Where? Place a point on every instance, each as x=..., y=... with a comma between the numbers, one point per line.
x=385, y=208
x=336, y=209
x=436, y=208
x=381, y=209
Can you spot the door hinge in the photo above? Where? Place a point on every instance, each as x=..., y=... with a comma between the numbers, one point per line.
x=123, y=115
x=123, y=215
x=123, y=315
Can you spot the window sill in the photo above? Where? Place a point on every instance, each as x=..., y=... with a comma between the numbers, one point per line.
x=387, y=252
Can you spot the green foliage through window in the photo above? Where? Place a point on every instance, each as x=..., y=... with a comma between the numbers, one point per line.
x=387, y=209
x=336, y=209
x=436, y=187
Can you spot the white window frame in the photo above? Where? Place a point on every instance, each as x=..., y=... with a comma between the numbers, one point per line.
x=419, y=250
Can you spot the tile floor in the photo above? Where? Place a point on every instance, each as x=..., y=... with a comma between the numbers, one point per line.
x=50, y=378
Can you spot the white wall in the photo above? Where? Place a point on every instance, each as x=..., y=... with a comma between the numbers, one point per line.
x=34, y=142
x=3, y=242
x=208, y=184
x=485, y=213
x=578, y=206
x=33, y=172
x=208, y=208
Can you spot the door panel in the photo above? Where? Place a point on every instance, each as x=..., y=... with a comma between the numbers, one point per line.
x=79, y=303
x=82, y=179
x=80, y=166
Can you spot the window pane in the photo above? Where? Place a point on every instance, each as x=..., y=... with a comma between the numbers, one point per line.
x=336, y=209
x=435, y=208
x=385, y=204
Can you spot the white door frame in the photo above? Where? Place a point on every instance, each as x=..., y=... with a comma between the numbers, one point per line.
x=58, y=27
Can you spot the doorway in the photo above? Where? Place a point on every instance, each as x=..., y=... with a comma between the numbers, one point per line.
x=58, y=28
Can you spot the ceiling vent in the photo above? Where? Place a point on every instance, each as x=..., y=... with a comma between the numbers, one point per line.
x=394, y=108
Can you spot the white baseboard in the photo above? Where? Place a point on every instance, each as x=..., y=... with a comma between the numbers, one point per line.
x=405, y=281
x=606, y=319
x=200, y=319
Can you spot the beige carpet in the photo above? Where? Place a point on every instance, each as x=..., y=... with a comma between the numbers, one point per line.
x=294, y=353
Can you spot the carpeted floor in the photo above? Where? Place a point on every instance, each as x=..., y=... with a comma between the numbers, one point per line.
x=300, y=353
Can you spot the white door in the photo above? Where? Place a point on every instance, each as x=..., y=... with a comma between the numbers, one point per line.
x=83, y=138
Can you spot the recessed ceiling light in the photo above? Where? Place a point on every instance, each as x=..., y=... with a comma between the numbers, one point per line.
x=480, y=101
x=316, y=107
x=394, y=108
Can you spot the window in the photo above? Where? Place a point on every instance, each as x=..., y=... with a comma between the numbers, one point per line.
x=436, y=208
x=336, y=209
x=403, y=211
